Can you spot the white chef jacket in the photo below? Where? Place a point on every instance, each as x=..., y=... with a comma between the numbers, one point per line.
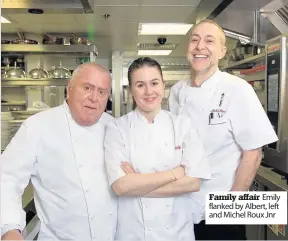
x=229, y=118
x=163, y=145
x=65, y=162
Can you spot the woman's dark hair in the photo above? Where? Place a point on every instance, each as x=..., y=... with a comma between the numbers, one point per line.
x=140, y=63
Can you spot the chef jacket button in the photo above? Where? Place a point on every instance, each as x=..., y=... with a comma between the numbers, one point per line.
x=110, y=213
x=86, y=190
x=92, y=217
x=165, y=165
x=167, y=205
x=167, y=226
x=80, y=165
x=202, y=109
x=149, y=229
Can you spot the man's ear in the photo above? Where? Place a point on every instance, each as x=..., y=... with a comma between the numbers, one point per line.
x=223, y=52
x=68, y=88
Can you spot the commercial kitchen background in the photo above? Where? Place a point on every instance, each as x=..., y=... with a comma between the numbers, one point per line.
x=115, y=31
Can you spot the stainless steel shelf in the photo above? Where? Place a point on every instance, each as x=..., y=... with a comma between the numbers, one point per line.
x=9, y=103
x=244, y=61
x=48, y=49
x=33, y=82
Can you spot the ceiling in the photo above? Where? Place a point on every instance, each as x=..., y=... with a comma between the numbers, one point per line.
x=120, y=30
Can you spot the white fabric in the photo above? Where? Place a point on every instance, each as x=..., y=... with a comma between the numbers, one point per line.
x=65, y=162
x=151, y=148
x=239, y=123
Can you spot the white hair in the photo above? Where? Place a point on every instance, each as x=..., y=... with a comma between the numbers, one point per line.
x=92, y=64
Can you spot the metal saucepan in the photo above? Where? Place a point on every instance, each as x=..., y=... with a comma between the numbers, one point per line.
x=23, y=40
x=52, y=40
x=78, y=40
x=5, y=42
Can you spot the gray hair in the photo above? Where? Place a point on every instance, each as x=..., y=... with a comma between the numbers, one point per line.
x=92, y=64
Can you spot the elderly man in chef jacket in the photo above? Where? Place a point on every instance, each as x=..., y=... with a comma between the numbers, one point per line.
x=61, y=151
x=230, y=121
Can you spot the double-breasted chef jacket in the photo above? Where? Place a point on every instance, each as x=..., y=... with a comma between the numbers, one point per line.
x=167, y=143
x=65, y=162
x=229, y=119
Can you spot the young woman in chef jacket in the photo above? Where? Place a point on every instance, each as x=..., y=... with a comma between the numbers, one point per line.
x=155, y=161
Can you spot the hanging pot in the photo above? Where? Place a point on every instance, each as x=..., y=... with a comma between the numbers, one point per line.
x=52, y=40
x=23, y=40
x=78, y=40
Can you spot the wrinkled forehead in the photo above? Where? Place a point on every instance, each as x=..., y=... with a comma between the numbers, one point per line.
x=95, y=77
x=208, y=29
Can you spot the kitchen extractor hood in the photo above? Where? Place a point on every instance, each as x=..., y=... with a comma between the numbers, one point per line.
x=277, y=13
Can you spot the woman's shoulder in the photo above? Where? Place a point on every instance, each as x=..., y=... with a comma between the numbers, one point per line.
x=122, y=121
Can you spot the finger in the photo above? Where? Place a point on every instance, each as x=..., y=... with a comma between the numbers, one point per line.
x=124, y=169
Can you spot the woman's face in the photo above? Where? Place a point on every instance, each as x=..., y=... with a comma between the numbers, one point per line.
x=147, y=88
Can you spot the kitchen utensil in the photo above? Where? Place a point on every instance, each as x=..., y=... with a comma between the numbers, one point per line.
x=78, y=40
x=38, y=73
x=61, y=72
x=5, y=42
x=23, y=40
x=52, y=40
x=14, y=72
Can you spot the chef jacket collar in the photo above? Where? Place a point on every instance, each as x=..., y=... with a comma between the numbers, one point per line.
x=143, y=118
x=210, y=83
x=69, y=115
x=67, y=110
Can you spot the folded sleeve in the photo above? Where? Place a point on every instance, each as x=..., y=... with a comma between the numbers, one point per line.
x=116, y=151
x=250, y=125
x=194, y=158
x=17, y=166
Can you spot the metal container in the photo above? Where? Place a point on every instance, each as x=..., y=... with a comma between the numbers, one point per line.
x=60, y=73
x=38, y=73
x=14, y=72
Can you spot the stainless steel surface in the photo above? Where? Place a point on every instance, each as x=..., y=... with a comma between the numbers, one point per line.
x=49, y=49
x=54, y=95
x=87, y=5
x=33, y=82
x=256, y=27
x=276, y=12
x=271, y=179
x=14, y=72
x=283, y=14
x=277, y=155
x=60, y=72
x=246, y=60
x=38, y=73
x=205, y=8
x=63, y=6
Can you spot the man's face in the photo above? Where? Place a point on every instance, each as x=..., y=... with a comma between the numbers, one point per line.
x=205, y=47
x=88, y=94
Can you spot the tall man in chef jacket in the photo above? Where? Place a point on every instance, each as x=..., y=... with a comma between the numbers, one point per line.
x=230, y=121
x=61, y=151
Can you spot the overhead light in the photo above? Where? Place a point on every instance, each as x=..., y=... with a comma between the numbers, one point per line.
x=4, y=20
x=242, y=38
x=154, y=52
x=163, y=28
